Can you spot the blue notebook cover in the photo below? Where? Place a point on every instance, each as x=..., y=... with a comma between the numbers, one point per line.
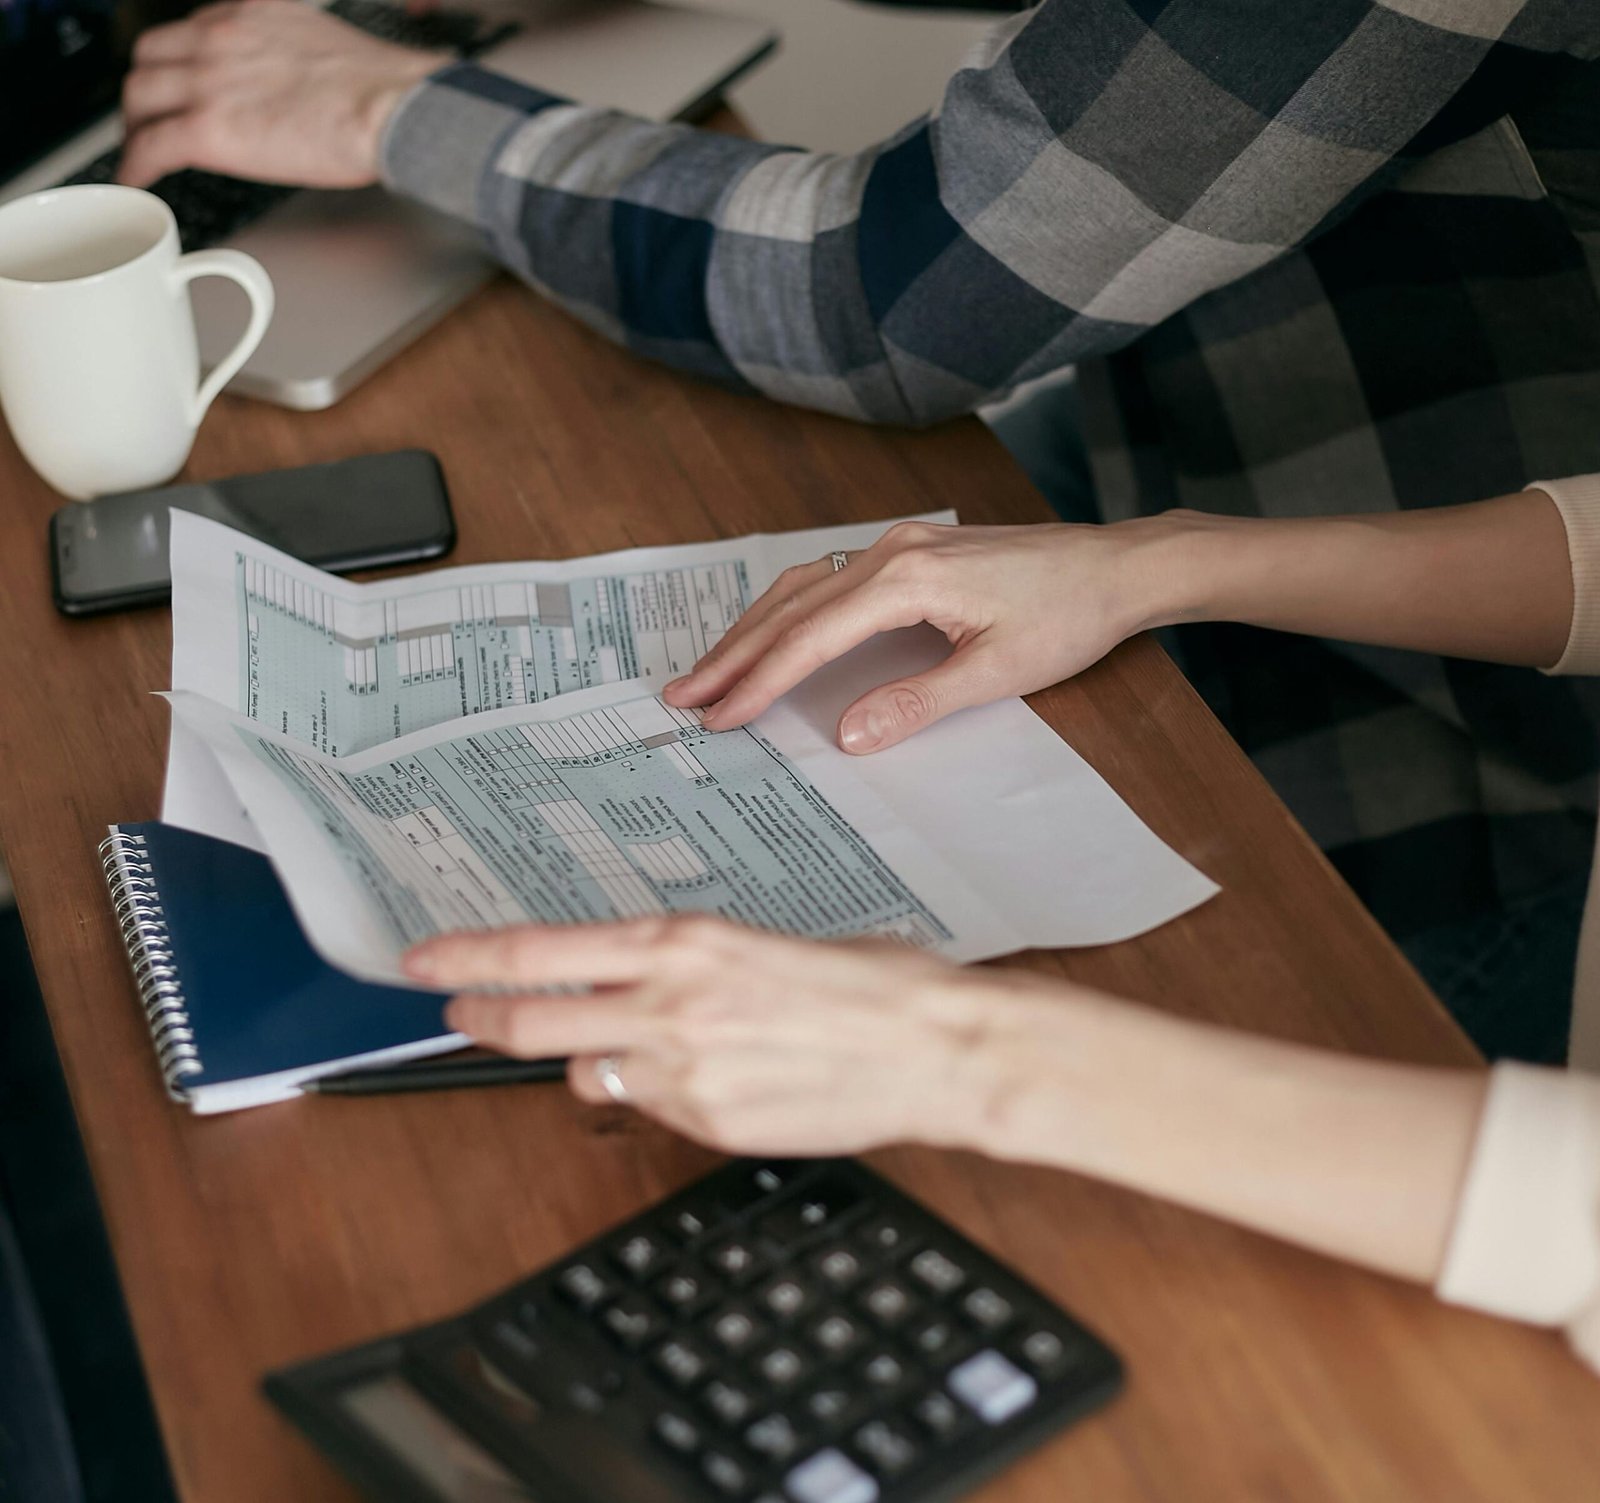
x=241, y=1008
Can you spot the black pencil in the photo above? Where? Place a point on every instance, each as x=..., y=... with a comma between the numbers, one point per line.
x=447, y=1076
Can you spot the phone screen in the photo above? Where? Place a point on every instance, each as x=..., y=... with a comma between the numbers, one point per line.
x=357, y=513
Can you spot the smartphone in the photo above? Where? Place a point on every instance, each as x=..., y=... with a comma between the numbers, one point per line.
x=111, y=553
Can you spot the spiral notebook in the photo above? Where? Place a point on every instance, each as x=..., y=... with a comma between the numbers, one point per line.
x=241, y=1009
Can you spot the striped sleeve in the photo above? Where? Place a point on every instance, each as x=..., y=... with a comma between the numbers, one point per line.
x=1094, y=167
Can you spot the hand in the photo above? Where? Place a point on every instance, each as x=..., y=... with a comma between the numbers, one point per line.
x=266, y=89
x=748, y=1041
x=1022, y=606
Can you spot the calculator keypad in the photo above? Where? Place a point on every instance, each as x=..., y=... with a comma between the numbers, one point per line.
x=791, y=1333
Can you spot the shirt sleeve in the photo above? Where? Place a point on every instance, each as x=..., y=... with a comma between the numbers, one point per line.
x=1526, y=1242
x=1577, y=498
x=1092, y=168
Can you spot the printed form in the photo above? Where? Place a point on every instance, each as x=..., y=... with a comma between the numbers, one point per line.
x=341, y=680
x=604, y=805
x=344, y=666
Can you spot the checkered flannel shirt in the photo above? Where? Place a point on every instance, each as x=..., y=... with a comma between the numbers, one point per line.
x=1308, y=256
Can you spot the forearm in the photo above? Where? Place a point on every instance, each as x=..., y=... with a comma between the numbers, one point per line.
x=1356, y=1158
x=1490, y=581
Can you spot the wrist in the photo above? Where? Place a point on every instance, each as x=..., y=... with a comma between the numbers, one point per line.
x=384, y=98
x=1186, y=566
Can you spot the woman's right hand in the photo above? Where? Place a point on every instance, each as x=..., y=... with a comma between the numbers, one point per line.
x=1023, y=607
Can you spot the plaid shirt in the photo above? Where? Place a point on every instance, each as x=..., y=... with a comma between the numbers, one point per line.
x=1309, y=256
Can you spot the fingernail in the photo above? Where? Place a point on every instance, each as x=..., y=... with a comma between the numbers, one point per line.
x=861, y=731
x=419, y=963
x=710, y=712
x=675, y=683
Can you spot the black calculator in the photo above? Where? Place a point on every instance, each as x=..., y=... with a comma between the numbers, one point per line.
x=779, y=1332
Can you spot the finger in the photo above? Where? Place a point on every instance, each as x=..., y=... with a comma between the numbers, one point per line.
x=797, y=647
x=160, y=89
x=645, y=1075
x=538, y=955
x=551, y=1027
x=717, y=671
x=890, y=713
x=157, y=148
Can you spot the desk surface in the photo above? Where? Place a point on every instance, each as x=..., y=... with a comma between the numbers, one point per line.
x=249, y=1241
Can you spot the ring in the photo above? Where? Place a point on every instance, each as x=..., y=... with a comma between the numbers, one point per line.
x=605, y=1071
x=840, y=559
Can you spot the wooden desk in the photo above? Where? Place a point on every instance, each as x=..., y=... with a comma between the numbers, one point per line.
x=248, y=1241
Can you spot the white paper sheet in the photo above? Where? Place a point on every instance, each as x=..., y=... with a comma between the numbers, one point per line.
x=598, y=805
x=1014, y=813
x=343, y=666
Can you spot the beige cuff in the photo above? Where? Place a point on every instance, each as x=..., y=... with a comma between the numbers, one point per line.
x=1577, y=498
x=1526, y=1241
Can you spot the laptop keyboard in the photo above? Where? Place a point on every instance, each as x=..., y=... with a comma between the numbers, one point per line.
x=781, y=1332
x=209, y=207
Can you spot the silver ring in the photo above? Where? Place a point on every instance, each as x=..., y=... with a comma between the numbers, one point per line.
x=606, y=1073
x=840, y=559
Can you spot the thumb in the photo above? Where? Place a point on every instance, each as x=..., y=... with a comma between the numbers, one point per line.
x=895, y=711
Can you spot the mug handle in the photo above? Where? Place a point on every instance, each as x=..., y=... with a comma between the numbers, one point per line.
x=249, y=274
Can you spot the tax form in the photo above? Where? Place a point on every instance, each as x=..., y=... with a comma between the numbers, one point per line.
x=601, y=805
x=344, y=675
x=345, y=666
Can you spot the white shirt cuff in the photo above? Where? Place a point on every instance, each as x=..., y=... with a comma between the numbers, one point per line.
x=1526, y=1242
x=1578, y=500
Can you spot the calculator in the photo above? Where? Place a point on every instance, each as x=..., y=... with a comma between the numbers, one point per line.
x=779, y=1332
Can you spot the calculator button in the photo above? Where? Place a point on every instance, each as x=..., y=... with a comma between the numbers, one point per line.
x=688, y=1222
x=885, y=1236
x=749, y=1184
x=885, y=1447
x=584, y=1285
x=821, y=1207
x=992, y=1386
x=936, y=1272
x=734, y=1328
x=1045, y=1352
x=685, y=1292
x=786, y=1298
x=726, y=1402
x=736, y=1260
x=888, y=1302
x=830, y=1477
x=632, y=1321
x=829, y=1405
x=681, y=1361
x=728, y=1476
x=835, y=1335
x=782, y=1366
x=937, y=1338
x=677, y=1432
x=639, y=1256
x=986, y=1309
x=840, y=1267
x=937, y=1413
x=774, y=1437
x=883, y=1371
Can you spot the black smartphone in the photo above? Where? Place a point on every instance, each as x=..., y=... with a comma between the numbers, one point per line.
x=111, y=553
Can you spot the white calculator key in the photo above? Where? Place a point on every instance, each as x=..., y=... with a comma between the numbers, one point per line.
x=830, y=1477
x=993, y=1388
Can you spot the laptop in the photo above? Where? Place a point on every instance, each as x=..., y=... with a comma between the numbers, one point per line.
x=359, y=274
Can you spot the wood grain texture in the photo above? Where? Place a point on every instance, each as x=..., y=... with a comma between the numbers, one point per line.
x=245, y=1242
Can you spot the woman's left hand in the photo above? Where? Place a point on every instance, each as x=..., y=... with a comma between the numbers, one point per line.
x=747, y=1041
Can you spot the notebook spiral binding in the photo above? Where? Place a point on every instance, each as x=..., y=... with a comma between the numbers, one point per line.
x=136, y=905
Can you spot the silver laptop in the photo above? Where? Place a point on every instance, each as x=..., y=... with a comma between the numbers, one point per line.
x=358, y=275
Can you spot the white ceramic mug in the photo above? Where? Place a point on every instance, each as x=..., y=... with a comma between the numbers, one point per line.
x=99, y=377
